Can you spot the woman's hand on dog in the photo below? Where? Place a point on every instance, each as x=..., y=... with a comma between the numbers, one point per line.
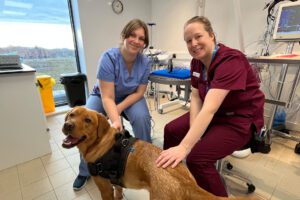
x=171, y=156
x=117, y=125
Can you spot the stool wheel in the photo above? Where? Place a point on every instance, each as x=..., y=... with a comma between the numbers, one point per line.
x=229, y=166
x=297, y=148
x=251, y=188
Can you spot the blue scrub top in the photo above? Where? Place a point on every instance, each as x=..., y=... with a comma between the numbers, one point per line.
x=112, y=68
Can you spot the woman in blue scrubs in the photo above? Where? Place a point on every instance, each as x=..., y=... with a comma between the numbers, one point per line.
x=122, y=79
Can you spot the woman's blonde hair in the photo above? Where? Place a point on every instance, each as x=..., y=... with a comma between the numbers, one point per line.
x=133, y=25
x=206, y=23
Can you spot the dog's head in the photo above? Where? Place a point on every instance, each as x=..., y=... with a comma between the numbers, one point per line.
x=83, y=126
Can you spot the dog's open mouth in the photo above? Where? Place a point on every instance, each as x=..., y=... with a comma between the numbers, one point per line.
x=70, y=141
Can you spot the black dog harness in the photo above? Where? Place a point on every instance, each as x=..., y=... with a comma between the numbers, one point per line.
x=112, y=164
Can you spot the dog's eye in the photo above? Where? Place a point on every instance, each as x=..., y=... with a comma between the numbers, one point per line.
x=87, y=120
x=71, y=114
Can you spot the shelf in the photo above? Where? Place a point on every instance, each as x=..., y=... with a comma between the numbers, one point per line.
x=274, y=60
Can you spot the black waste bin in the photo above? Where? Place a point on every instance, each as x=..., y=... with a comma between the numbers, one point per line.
x=74, y=85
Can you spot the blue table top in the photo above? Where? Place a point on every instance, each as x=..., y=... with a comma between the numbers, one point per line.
x=179, y=73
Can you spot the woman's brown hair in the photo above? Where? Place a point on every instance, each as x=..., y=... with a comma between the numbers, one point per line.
x=206, y=23
x=133, y=25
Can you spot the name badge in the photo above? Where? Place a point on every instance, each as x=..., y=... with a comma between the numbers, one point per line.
x=196, y=74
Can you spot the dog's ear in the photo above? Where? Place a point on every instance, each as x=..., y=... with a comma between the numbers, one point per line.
x=67, y=115
x=103, y=124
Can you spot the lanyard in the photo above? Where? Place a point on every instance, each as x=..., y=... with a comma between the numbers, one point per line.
x=212, y=58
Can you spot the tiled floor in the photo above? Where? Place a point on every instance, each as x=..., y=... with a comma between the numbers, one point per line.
x=275, y=175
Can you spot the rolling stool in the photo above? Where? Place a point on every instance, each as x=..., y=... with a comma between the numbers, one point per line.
x=260, y=143
x=225, y=168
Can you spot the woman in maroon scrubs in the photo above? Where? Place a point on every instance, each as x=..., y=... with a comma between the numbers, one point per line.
x=226, y=108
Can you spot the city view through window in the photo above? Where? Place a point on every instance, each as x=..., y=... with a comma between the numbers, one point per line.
x=40, y=31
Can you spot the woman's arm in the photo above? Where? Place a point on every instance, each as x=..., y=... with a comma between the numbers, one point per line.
x=212, y=102
x=132, y=98
x=174, y=155
x=108, y=99
x=196, y=105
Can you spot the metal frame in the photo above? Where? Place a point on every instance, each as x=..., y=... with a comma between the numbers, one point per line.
x=276, y=102
x=169, y=81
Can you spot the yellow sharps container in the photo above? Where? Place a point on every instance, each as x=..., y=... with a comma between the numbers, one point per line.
x=45, y=84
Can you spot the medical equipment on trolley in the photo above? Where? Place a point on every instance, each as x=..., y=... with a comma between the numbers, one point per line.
x=287, y=26
x=286, y=29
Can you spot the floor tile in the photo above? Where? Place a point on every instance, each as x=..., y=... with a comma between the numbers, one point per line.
x=48, y=196
x=66, y=192
x=9, y=181
x=85, y=196
x=31, y=172
x=74, y=160
x=36, y=189
x=288, y=187
x=52, y=157
x=90, y=185
x=95, y=194
x=136, y=194
x=63, y=177
x=56, y=166
x=15, y=195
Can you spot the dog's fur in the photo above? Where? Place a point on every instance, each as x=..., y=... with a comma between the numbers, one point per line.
x=94, y=136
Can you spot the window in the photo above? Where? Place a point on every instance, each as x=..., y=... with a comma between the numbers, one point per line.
x=40, y=31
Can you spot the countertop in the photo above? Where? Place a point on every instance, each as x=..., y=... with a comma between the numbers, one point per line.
x=25, y=69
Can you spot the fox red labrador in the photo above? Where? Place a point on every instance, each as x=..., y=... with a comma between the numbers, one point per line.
x=103, y=147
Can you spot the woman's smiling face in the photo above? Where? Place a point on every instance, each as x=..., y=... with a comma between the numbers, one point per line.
x=199, y=42
x=135, y=42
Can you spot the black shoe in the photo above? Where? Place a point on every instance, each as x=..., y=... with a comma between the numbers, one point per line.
x=80, y=182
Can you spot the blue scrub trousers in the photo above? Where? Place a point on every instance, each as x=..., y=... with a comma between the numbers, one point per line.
x=138, y=115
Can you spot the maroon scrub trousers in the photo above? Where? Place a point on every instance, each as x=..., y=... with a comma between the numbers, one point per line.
x=218, y=142
x=232, y=126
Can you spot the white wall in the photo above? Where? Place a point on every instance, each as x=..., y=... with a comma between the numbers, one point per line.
x=100, y=28
x=171, y=15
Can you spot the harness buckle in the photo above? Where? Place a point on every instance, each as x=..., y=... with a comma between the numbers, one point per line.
x=125, y=142
x=99, y=168
x=113, y=174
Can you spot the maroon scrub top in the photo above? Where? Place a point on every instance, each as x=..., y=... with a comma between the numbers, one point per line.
x=231, y=70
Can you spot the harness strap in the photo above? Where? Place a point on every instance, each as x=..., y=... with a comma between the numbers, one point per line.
x=112, y=164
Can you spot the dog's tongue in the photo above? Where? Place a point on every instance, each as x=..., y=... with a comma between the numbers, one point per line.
x=70, y=141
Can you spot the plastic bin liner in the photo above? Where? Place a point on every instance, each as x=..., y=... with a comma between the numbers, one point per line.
x=74, y=85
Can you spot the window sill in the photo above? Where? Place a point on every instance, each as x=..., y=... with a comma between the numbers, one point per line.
x=59, y=110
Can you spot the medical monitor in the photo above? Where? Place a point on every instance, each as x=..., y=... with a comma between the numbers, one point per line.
x=287, y=25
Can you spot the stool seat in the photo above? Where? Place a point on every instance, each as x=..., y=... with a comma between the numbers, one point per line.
x=242, y=153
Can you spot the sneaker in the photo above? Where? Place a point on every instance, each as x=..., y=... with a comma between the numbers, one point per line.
x=80, y=182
